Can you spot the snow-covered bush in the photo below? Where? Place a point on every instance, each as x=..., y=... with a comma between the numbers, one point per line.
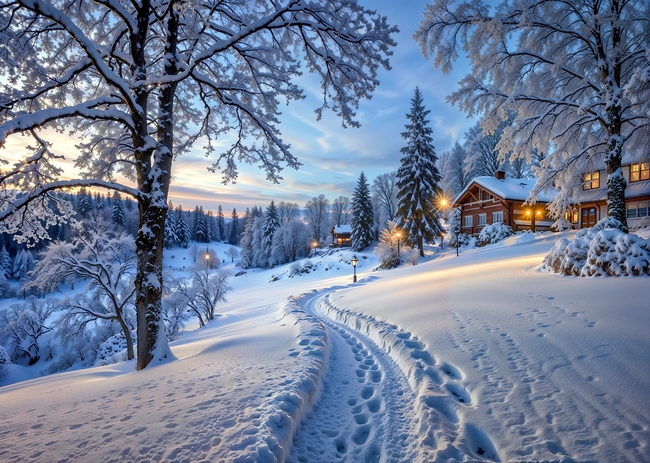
x=23, y=325
x=494, y=233
x=387, y=247
x=5, y=361
x=112, y=350
x=411, y=257
x=601, y=250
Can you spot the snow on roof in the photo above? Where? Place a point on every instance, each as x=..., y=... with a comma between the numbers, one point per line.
x=516, y=189
x=343, y=229
x=633, y=190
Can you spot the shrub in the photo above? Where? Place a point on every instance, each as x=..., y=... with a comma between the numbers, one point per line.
x=494, y=233
x=5, y=361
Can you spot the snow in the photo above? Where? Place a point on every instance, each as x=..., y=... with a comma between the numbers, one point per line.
x=516, y=189
x=481, y=357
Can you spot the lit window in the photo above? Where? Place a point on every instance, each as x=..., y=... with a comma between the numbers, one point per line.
x=482, y=219
x=640, y=171
x=592, y=180
x=497, y=217
x=468, y=221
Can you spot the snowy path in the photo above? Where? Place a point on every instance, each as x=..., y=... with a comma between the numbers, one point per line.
x=366, y=411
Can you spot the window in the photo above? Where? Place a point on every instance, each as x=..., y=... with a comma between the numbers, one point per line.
x=482, y=219
x=497, y=217
x=640, y=171
x=484, y=195
x=468, y=221
x=637, y=210
x=592, y=181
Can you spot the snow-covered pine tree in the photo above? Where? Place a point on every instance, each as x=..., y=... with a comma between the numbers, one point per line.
x=417, y=179
x=246, y=242
x=200, y=231
x=235, y=229
x=271, y=224
x=221, y=226
x=117, y=214
x=6, y=266
x=170, y=229
x=84, y=202
x=455, y=227
x=182, y=228
x=211, y=221
x=362, y=215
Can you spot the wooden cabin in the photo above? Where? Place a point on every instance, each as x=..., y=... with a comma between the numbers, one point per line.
x=341, y=236
x=488, y=200
x=591, y=202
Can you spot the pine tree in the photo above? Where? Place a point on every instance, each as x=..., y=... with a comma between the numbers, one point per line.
x=362, y=215
x=235, y=230
x=221, y=228
x=213, y=232
x=84, y=203
x=5, y=263
x=417, y=179
x=271, y=224
x=200, y=230
x=182, y=228
x=246, y=242
x=171, y=239
x=118, y=210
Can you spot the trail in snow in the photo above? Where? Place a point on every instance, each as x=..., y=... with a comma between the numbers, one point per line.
x=366, y=411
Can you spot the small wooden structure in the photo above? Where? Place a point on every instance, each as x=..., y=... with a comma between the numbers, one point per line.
x=488, y=200
x=341, y=236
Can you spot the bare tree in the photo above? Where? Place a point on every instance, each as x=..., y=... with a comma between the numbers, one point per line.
x=202, y=292
x=316, y=213
x=560, y=67
x=385, y=189
x=103, y=257
x=341, y=210
x=22, y=325
x=288, y=211
x=290, y=241
x=140, y=82
x=233, y=253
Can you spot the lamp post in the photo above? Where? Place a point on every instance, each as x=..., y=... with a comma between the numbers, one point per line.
x=398, y=234
x=207, y=256
x=442, y=239
x=355, y=261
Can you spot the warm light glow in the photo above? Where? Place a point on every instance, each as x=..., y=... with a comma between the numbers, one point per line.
x=355, y=261
x=207, y=256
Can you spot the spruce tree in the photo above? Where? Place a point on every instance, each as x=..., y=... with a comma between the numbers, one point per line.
x=271, y=224
x=84, y=203
x=235, y=230
x=182, y=228
x=246, y=242
x=170, y=229
x=200, y=230
x=418, y=179
x=221, y=228
x=362, y=215
x=118, y=210
x=5, y=262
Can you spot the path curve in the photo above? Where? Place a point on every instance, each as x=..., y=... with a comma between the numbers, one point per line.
x=366, y=412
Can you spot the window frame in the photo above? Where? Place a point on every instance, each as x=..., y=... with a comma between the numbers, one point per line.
x=482, y=222
x=468, y=221
x=642, y=172
x=591, y=180
x=499, y=215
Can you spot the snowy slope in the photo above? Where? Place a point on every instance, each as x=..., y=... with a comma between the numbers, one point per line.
x=480, y=357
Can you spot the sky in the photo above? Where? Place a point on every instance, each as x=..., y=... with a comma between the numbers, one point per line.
x=332, y=157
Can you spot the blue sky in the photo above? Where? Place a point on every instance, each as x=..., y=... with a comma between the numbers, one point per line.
x=333, y=157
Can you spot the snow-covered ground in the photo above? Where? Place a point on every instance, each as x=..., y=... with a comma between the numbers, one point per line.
x=480, y=357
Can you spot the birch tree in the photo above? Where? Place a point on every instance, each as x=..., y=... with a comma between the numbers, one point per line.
x=561, y=67
x=139, y=82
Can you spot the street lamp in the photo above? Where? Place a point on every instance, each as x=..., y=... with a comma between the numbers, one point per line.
x=398, y=234
x=442, y=239
x=355, y=261
x=207, y=255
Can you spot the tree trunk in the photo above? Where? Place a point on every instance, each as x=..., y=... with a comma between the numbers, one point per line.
x=148, y=281
x=127, y=335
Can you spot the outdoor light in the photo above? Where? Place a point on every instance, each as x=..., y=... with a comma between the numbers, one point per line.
x=355, y=261
x=442, y=239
